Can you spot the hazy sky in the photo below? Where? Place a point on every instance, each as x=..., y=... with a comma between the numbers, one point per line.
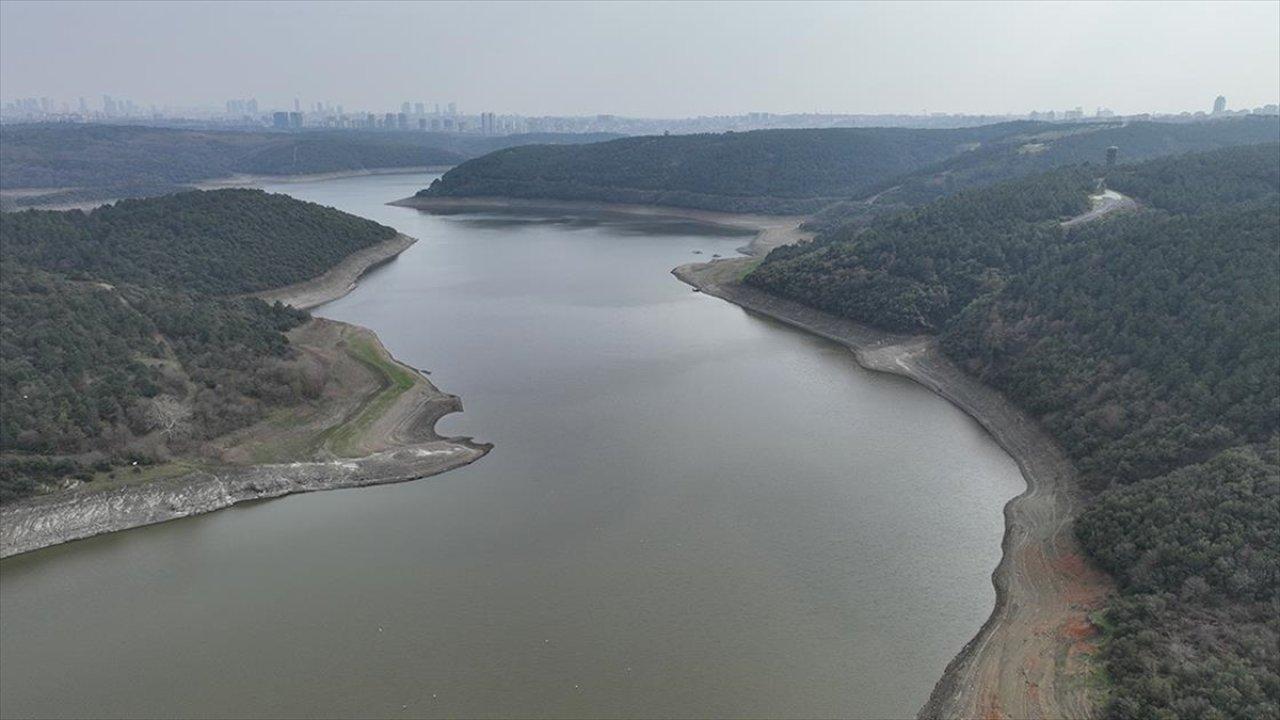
x=650, y=59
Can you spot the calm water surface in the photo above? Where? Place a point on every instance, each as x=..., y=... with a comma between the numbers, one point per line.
x=689, y=511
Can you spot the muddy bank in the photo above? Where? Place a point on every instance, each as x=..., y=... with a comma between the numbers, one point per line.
x=1026, y=660
x=341, y=278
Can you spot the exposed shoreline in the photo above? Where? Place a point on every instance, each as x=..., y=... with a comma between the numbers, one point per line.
x=341, y=279
x=413, y=450
x=1024, y=661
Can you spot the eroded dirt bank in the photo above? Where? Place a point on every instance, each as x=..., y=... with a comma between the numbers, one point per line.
x=1026, y=660
x=62, y=517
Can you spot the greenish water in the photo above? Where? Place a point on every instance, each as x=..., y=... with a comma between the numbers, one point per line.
x=689, y=511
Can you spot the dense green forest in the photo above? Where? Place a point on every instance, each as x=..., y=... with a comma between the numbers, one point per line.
x=89, y=162
x=1197, y=553
x=1148, y=344
x=917, y=270
x=120, y=341
x=835, y=170
x=1190, y=184
x=217, y=241
x=777, y=171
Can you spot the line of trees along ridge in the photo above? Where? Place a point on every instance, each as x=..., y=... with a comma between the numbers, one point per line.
x=835, y=171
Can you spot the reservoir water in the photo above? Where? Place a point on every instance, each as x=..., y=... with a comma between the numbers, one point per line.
x=689, y=511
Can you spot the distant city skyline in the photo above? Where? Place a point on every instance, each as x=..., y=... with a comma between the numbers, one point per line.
x=422, y=116
x=103, y=106
x=652, y=60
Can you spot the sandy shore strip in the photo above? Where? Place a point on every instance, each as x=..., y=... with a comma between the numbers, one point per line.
x=341, y=279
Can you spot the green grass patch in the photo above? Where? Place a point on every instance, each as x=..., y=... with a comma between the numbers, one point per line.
x=749, y=267
x=122, y=475
x=343, y=440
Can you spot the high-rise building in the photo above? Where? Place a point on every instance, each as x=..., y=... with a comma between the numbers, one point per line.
x=295, y=119
x=297, y=105
x=419, y=109
x=1219, y=105
x=280, y=120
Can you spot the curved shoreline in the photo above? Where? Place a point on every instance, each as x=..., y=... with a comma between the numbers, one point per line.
x=340, y=279
x=1027, y=659
x=1024, y=659
x=416, y=451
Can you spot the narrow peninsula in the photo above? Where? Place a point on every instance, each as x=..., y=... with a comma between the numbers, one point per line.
x=181, y=390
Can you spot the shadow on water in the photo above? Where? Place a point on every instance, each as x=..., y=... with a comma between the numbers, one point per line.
x=622, y=223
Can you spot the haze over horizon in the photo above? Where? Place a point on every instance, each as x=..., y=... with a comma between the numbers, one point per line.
x=652, y=59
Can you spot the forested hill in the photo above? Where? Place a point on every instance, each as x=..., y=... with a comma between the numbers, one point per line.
x=804, y=171
x=777, y=171
x=1148, y=344
x=104, y=161
x=1056, y=146
x=121, y=341
x=217, y=242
